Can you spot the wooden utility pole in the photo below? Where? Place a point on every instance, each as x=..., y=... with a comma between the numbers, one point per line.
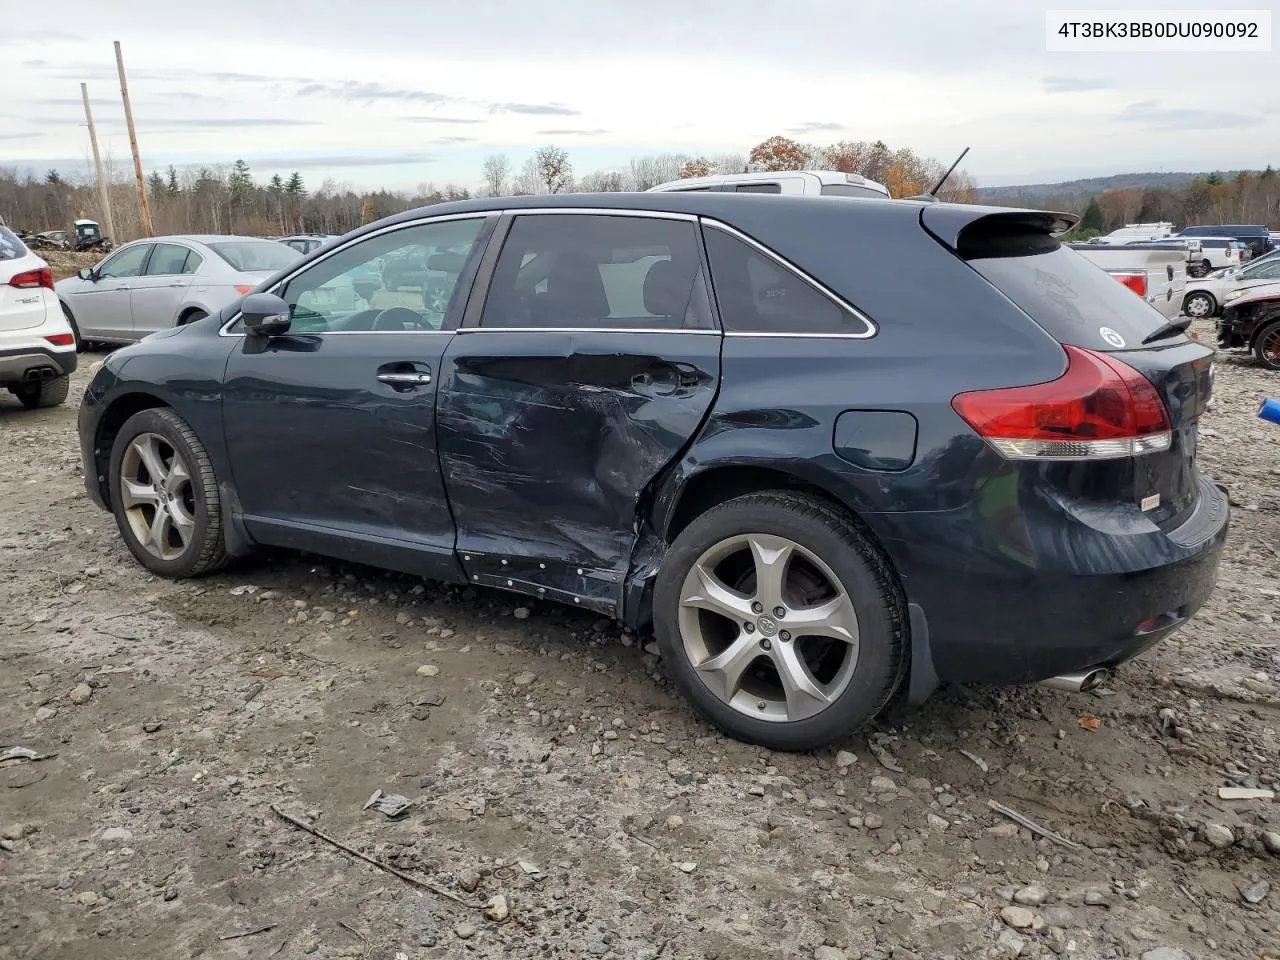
x=144, y=208
x=104, y=196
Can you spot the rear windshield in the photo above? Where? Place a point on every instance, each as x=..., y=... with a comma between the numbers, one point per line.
x=11, y=248
x=249, y=255
x=849, y=190
x=1074, y=300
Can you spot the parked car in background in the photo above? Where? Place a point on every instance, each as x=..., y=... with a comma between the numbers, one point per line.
x=163, y=282
x=1190, y=247
x=1206, y=296
x=726, y=418
x=1217, y=253
x=1245, y=251
x=1252, y=322
x=37, y=345
x=1156, y=272
x=306, y=243
x=1255, y=235
x=1275, y=242
x=1138, y=231
x=792, y=183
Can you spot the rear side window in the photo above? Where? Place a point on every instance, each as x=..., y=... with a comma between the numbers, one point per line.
x=758, y=188
x=758, y=294
x=11, y=248
x=1074, y=300
x=251, y=255
x=588, y=271
x=167, y=259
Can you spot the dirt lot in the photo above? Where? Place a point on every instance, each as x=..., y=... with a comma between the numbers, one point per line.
x=552, y=766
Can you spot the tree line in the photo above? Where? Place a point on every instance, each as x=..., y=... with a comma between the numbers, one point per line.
x=229, y=199
x=1252, y=198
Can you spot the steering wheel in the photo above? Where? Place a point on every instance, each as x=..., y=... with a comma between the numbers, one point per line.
x=397, y=318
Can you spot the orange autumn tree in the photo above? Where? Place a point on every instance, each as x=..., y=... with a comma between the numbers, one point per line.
x=780, y=153
x=697, y=167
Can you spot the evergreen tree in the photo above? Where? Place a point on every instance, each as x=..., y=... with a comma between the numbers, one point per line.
x=174, y=189
x=1092, y=219
x=294, y=185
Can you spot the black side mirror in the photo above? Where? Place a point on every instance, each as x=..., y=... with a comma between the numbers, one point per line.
x=265, y=315
x=86, y=274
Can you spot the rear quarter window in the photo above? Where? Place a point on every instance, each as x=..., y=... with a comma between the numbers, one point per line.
x=11, y=248
x=849, y=190
x=1073, y=299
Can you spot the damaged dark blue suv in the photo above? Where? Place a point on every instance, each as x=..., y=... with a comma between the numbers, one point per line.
x=822, y=447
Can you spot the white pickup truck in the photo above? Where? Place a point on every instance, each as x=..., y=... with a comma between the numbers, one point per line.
x=1154, y=271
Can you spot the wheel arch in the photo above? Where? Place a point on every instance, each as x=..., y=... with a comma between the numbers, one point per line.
x=116, y=414
x=1266, y=320
x=189, y=311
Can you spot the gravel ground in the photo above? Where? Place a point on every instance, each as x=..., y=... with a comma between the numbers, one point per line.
x=565, y=802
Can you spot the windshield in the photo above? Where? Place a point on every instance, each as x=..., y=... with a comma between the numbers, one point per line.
x=11, y=248
x=256, y=255
x=1074, y=300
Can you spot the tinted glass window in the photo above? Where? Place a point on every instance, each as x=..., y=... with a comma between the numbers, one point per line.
x=126, y=263
x=570, y=270
x=758, y=188
x=255, y=255
x=1268, y=270
x=11, y=248
x=757, y=294
x=1071, y=298
x=167, y=258
x=404, y=280
x=849, y=190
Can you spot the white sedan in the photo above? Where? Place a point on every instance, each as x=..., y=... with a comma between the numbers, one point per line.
x=1207, y=296
x=163, y=282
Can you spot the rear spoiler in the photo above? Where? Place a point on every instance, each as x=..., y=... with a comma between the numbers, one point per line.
x=949, y=221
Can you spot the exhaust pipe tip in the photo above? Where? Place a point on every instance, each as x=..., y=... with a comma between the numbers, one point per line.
x=1081, y=682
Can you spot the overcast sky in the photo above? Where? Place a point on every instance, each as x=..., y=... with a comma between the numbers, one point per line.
x=401, y=92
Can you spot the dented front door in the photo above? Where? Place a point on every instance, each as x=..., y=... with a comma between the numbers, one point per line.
x=548, y=439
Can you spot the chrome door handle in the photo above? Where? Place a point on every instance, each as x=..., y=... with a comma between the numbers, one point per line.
x=405, y=379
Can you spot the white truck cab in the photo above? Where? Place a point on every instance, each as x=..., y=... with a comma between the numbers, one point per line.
x=796, y=183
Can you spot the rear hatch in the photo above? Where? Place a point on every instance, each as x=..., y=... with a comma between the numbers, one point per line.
x=24, y=285
x=1081, y=306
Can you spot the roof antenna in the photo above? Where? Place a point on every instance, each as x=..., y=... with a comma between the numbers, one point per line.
x=932, y=195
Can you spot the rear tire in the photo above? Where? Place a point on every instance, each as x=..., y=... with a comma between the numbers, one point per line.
x=165, y=496
x=1266, y=347
x=736, y=660
x=40, y=394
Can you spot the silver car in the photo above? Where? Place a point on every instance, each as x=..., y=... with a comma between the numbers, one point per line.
x=163, y=282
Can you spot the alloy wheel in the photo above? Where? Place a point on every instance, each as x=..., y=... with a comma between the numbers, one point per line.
x=768, y=627
x=157, y=496
x=1269, y=348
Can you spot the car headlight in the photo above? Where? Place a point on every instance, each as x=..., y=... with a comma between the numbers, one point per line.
x=1234, y=295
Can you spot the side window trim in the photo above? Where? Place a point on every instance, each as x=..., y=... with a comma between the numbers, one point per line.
x=466, y=278
x=870, y=331
x=484, y=278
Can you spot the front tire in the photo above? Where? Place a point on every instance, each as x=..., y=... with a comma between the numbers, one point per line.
x=1267, y=346
x=1200, y=305
x=781, y=621
x=165, y=496
x=39, y=394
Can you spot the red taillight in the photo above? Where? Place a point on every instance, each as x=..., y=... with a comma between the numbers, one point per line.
x=33, y=279
x=1098, y=409
x=62, y=339
x=1137, y=282
x=243, y=288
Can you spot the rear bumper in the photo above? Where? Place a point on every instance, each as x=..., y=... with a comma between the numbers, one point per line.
x=1077, y=599
x=31, y=362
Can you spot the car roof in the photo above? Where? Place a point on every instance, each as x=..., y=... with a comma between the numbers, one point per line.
x=824, y=177
x=733, y=208
x=204, y=238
